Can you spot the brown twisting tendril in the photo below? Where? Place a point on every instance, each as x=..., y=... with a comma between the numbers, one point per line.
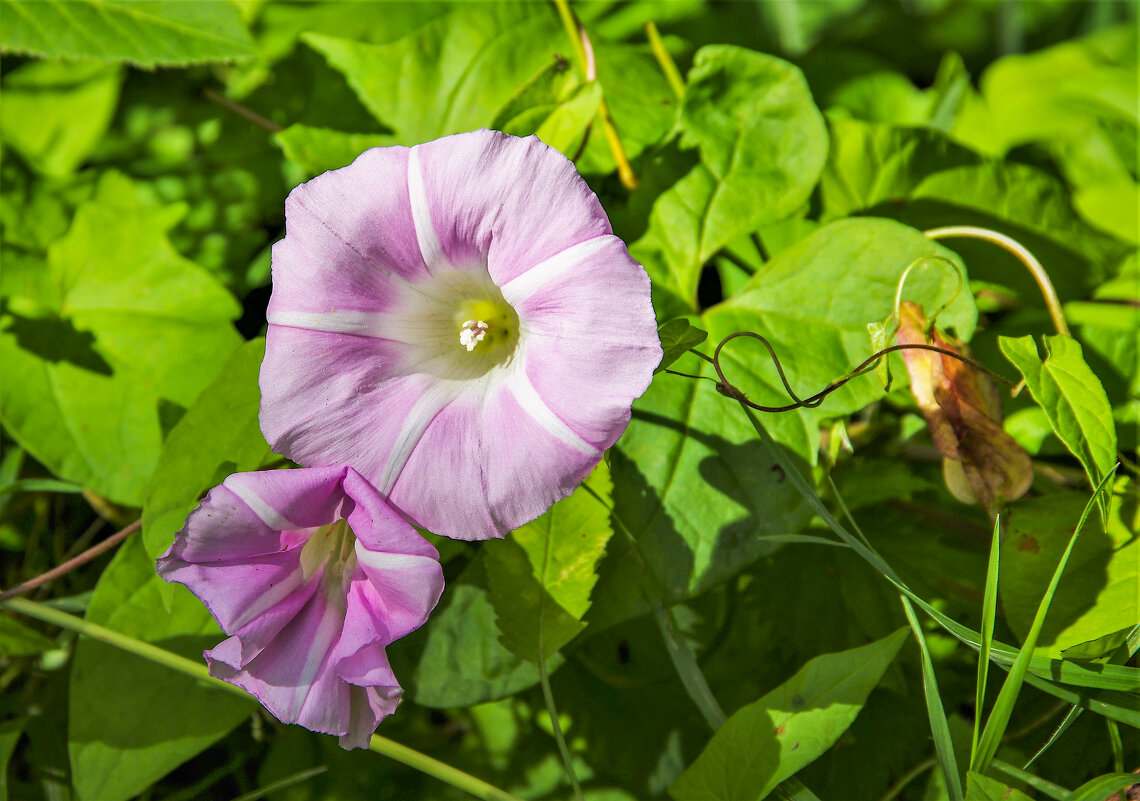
x=728, y=389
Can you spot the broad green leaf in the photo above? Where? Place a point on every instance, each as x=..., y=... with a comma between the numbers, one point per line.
x=456, y=659
x=983, y=788
x=762, y=145
x=451, y=75
x=217, y=436
x=146, y=33
x=555, y=105
x=678, y=337
x=96, y=342
x=869, y=164
x=132, y=721
x=1100, y=591
x=542, y=574
x=1073, y=398
x=694, y=486
x=16, y=639
x=773, y=738
x=1051, y=93
x=317, y=150
x=54, y=113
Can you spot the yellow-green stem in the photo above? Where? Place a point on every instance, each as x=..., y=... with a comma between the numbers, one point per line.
x=1052, y=302
x=664, y=60
x=381, y=745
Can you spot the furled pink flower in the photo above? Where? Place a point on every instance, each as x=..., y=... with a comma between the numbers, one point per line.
x=312, y=574
x=457, y=321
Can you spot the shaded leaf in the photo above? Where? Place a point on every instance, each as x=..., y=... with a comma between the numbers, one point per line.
x=983, y=788
x=678, y=337
x=146, y=33
x=16, y=639
x=771, y=739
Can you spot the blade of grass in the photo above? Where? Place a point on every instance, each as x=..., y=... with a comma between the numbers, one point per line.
x=281, y=784
x=989, y=614
x=939, y=726
x=1070, y=719
x=1117, y=746
x=1011, y=688
x=1042, y=786
x=1120, y=703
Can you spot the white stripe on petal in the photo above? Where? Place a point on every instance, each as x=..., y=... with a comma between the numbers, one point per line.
x=528, y=397
x=429, y=404
x=430, y=247
x=328, y=630
x=270, y=598
x=391, y=561
x=521, y=287
x=343, y=321
x=258, y=505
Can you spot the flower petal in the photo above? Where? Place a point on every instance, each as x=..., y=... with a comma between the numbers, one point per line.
x=493, y=198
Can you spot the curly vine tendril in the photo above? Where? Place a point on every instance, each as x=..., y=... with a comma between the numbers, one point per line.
x=730, y=390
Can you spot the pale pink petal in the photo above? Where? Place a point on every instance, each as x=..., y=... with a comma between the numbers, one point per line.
x=505, y=202
x=503, y=467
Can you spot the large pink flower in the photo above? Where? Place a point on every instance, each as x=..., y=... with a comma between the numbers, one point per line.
x=457, y=321
x=313, y=574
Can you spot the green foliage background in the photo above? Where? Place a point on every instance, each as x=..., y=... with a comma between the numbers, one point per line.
x=145, y=152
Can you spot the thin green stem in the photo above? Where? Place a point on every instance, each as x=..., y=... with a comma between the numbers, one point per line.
x=556, y=727
x=381, y=745
x=896, y=789
x=281, y=784
x=664, y=60
x=1052, y=302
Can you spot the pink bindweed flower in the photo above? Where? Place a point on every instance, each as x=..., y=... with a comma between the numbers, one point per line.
x=312, y=574
x=457, y=321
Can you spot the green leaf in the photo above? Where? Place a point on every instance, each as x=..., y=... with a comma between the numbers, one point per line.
x=217, y=436
x=542, y=574
x=146, y=33
x=1073, y=398
x=1102, y=787
x=56, y=113
x=869, y=164
x=1100, y=592
x=451, y=75
x=983, y=788
x=762, y=145
x=456, y=659
x=694, y=487
x=555, y=105
x=132, y=721
x=771, y=739
x=16, y=639
x=317, y=150
x=678, y=337
x=90, y=355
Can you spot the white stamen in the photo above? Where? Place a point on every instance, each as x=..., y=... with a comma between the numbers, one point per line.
x=472, y=333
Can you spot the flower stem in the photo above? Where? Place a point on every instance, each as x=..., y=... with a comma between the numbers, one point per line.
x=381, y=745
x=1052, y=302
x=664, y=60
x=556, y=727
x=584, y=53
x=72, y=563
